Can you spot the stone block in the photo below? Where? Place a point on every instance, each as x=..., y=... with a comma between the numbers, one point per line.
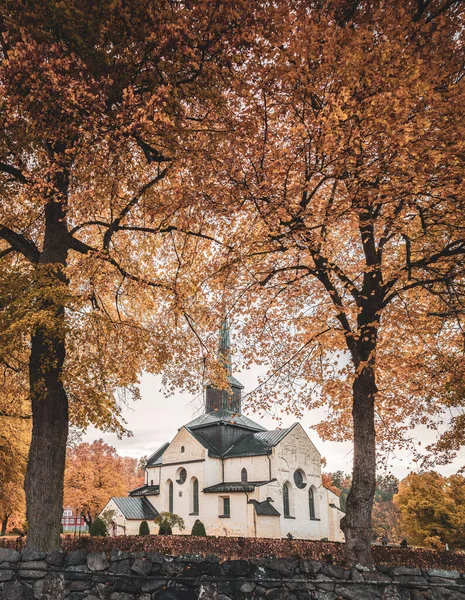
x=116, y=555
x=29, y=554
x=152, y=585
x=443, y=573
x=10, y=556
x=236, y=568
x=412, y=580
x=33, y=569
x=97, y=561
x=142, y=566
x=323, y=582
x=405, y=571
x=278, y=594
x=284, y=566
x=359, y=592
x=55, y=558
x=121, y=567
x=121, y=596
x=310, y=567
x=5, y=573
x=335, y=571
x=156, y=557
x=17, y=590
x=76, y=557
x=53, y=587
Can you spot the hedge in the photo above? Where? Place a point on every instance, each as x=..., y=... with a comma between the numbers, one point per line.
x=234, y=548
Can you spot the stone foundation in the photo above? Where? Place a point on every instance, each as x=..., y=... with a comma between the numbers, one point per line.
x=79, y=575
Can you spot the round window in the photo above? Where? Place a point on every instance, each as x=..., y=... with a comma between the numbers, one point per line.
x=299, y=479
x=182, y=475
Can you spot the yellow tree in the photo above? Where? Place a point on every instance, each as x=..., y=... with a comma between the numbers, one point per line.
x=94, y=473
x=345, y=173
x=106, y=111
x=432, y=509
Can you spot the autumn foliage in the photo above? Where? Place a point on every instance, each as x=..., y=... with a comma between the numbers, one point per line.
x=296, y=164
x=432, y=509
x=94, y=473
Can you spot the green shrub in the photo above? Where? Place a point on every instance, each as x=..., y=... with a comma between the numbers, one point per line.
x=98, y=528
x=167, y=521
x=198, y=529
x=144, y=528
x=165, y=528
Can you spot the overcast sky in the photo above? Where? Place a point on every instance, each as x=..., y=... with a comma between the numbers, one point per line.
x=155, y=419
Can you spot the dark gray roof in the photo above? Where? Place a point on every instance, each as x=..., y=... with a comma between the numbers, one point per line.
x=146, y=490
x=254, y=444
x=265, y=508
x=155, y=459
x=212, y=451
x=235, y=486
x=224, y=416
x=139, y=509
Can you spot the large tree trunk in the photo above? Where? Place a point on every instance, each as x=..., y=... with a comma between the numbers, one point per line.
x=46, y=464
x=4, y=524
x=357, y=522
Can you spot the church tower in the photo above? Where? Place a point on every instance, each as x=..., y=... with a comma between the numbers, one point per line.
x=225, y=399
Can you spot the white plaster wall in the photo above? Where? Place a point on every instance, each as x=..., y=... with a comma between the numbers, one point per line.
x=296, y=451
x=258, y=468
x=152, y=474
x=193, y=450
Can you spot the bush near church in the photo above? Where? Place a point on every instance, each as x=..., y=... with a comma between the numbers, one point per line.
x=198, y=529
x=167, y=521
x=98, y=528
x=144, y=528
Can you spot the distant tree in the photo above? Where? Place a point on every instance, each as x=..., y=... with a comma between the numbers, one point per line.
x=386, y=521
x=432, y=509
x=94, y=473
x=144, y=528
x=198, y=529
x=386, y=487
x=98, y=528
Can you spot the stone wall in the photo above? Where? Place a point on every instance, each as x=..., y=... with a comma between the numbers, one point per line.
x=79, y=575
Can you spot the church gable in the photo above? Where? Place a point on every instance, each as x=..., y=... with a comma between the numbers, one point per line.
x=296, y=451
x=184, y=447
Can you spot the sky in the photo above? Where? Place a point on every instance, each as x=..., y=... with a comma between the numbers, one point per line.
x=155, y=419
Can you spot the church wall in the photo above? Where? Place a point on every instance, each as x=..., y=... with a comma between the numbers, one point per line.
x=193, y=450
x=297, y=452
x=152, y=475
x=258, y=468
x=268, y=527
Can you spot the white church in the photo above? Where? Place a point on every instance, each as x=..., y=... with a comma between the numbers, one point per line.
x=235, y=476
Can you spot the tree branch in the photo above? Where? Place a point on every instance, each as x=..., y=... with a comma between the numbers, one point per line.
x=13, y=171
x=134, y=200
x=20, y=244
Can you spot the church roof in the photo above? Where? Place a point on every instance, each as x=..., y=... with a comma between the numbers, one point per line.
x=226, y=417
x=212, y=450
x=254, y=444
x=235, y=486
x=146, y=490
x=139, y=509
x=155, y=458
x=265, y=508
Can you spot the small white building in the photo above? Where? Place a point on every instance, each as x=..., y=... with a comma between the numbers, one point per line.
x=235, y=476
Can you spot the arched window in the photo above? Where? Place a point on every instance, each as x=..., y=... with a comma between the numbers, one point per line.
x=286, y=505
x=311, y=503
x=170, y=496
x=244, y=475
x=195, y=496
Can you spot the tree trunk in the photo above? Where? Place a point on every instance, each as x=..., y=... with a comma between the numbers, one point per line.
x=4, y=524
x=46, y=464
x=356, y=524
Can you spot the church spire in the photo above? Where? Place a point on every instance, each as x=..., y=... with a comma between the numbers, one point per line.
x=224, y=399
x=224, y=348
